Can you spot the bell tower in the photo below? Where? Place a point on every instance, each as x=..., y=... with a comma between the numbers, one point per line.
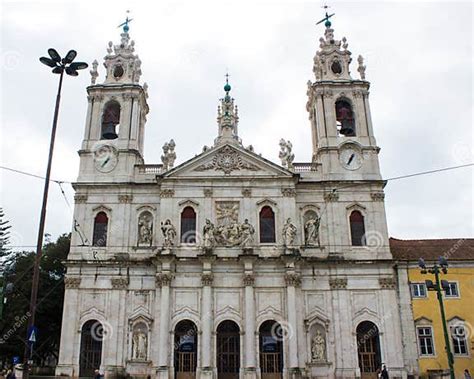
x=116, y=116
x=338, y=105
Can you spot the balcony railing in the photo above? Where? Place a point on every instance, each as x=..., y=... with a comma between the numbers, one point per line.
x=305, y=167
x=150, y=168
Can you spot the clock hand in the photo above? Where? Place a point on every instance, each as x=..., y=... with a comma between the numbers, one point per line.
x=105, y=162
x=350, y=159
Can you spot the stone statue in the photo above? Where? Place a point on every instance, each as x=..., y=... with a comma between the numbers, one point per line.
x=289, y=233
x=361, y=67
x=94, y=73
x=145, y=229
x=233, y=234
x=169, y=155
x=318, y=347
x=208, y=234
x=311, y=231
x=139, y=345
x=247, y=234
x=286, y=156
x=169, y=233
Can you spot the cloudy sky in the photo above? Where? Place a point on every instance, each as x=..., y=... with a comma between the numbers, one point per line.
x=418, y=57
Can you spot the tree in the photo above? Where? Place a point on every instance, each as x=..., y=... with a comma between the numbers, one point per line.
x=4, y=234
x=49, y=307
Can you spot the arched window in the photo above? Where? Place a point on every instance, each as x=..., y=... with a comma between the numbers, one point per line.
x=110, y=120
x=356, y=219
x=228, y=350
x=90, y=355
x=345, y=118
x=99, y=237
x=368, y=348
x=188, y=225
x=271, y=349
x=185, y=349
x=267, y=225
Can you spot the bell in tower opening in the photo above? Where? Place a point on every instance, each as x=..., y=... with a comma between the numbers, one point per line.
x=345, y=118
x=110, y=120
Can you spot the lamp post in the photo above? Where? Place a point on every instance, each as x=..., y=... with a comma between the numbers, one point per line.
x=439, y=286
x=59, y=66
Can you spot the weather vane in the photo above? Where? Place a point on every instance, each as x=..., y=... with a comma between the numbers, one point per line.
x=125, y=24
x=326, y=18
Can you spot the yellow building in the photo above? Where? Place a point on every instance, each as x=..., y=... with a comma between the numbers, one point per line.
x=458, y=302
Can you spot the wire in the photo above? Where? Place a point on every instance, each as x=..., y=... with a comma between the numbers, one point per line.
x=32, y=175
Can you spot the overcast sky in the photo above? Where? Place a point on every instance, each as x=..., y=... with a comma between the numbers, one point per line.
x=418, y=57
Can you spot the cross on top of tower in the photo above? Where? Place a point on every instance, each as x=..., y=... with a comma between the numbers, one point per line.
x=126, y=28
x=227, y=86
x=326, y=18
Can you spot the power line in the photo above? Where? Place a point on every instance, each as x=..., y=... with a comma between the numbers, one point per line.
x=32, y=175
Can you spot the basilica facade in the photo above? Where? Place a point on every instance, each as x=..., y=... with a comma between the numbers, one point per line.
x=229, y=265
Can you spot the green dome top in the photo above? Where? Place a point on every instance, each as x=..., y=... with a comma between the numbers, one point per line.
x=227, y=87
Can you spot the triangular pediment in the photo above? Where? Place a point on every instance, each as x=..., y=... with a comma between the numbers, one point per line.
x=228, y=161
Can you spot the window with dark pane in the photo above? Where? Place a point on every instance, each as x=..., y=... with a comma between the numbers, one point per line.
x=188, y=225
x=100, y=230
x=267, y=225
x=357, y=228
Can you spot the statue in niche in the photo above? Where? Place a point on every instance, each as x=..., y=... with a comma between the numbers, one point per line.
x=208, y=234
x=289, y=233
x=247, y=234
x=145, y=229
x=311, y=230
x=169, y=233
x=139, y=344
x=318, y=347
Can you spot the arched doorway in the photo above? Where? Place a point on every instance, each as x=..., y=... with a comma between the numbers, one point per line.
x=185, y=353
x=228, y=350
x=91, y=348
x=368, y=348
x=271, y=350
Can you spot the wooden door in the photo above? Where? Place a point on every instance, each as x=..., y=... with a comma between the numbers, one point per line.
x=368, y=350
x=186, y=365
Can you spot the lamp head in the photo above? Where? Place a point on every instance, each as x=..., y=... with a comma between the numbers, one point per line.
x=421, y=263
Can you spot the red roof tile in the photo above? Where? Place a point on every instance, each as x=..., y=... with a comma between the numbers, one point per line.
x=431, y=249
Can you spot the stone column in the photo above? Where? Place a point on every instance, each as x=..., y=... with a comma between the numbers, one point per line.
x=293, y=280
x=207, y=315
x=163, y=280
x=250, y=364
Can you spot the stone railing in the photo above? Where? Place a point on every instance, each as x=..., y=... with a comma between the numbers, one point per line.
x=149, y=168
x=305, y=167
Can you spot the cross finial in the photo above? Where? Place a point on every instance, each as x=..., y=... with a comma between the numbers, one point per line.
x=227, y=86
x=126, y=28
x=326, y=17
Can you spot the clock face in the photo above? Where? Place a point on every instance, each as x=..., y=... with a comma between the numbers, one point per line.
x=105, y=158
x=350, y=158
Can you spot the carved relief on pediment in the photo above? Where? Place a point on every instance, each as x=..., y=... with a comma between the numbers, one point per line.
x=227, y=160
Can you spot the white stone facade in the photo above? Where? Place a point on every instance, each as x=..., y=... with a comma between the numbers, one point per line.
x=139, y=286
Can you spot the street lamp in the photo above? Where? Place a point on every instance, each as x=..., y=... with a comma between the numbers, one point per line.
x=439, y=286
x=59, y=66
